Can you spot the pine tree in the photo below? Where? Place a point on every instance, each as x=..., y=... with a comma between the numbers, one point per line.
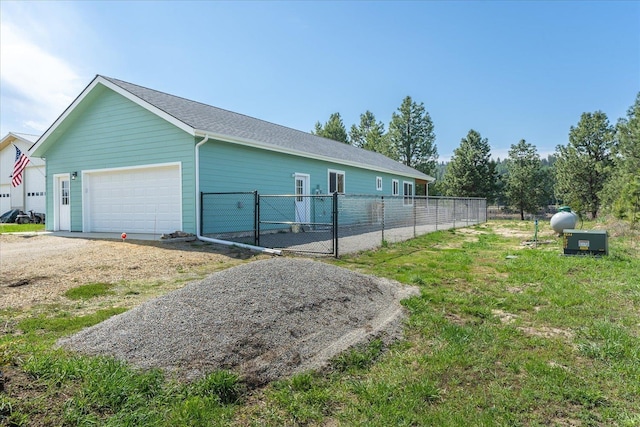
x=525, y=182
x=412, y=138
x=370, y=135
x=471, y=172
x=332, y=129
x=584, y=165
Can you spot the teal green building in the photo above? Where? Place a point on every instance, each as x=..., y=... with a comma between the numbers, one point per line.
x=123, y=157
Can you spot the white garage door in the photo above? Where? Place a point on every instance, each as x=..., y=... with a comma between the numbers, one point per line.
x=35, y=185
x=145, y=200
x=5, y=200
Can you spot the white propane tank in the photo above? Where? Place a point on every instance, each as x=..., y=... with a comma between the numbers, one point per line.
x=564, y=219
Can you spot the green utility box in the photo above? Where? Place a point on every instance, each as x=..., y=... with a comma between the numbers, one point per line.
x=586, y=242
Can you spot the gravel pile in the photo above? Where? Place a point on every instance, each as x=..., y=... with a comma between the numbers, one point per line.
x=266, y=320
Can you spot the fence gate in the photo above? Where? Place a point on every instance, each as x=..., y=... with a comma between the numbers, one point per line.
x=297, y=223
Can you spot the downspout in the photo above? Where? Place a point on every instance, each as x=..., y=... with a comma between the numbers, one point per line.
x=209, y=239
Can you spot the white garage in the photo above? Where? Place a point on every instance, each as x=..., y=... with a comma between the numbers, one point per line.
x=137, y=200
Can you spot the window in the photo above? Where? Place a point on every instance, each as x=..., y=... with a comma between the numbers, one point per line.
x=379, y=183
x=64, y=193
x=395, y=187
x=408, y=193
x=299, y=189
x=336, y=181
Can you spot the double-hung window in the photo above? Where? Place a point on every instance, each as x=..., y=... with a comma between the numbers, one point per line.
x=395, y=187
x=336, y=182
x=379, y=183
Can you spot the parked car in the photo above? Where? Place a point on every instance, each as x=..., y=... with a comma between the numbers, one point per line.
x=9, y=216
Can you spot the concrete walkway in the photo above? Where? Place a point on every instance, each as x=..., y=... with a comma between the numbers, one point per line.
x=108, y=236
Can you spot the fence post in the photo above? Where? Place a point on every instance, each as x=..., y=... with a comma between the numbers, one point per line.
x=486, y=210
x=414, y=216
x=468, y=201
x=256, y=218
x=436, y=214
x=454, y=213
x=382, y=242
x=201, y=213
x=335, y=224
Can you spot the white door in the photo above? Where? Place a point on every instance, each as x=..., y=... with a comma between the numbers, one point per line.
x=302, y=203
x=62, y=196
x=139, y=200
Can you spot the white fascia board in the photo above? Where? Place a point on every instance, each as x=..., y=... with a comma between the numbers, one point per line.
x=279, y=149
x=101, y=80
x=134, y=167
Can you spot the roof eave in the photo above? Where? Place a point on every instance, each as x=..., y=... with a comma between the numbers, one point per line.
x=299, y=153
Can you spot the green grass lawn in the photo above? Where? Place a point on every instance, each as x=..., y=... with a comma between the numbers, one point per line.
x=20, y=228
x=502, y=334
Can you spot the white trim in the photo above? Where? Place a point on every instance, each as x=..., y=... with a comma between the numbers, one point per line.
x=344, y=180
x=279, y=149
x=86, y=208
x=148, y=166
x=378, y=183
x=307, y=192
x=56, y=200
x=395, y=193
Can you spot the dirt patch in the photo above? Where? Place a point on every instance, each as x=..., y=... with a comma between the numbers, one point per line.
x=39, y=269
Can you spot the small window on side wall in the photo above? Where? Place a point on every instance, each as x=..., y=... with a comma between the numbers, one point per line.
x=379, y=183
x=336, y=182
x=395, y=187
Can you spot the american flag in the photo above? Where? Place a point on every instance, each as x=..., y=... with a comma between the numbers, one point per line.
x=21, y=162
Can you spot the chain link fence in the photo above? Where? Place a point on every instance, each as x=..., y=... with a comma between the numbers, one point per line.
x=331, y=224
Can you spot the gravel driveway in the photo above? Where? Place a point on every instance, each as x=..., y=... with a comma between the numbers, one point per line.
x=39, y=268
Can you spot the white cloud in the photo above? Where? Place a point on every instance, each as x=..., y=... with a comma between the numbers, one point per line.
x=36, y=85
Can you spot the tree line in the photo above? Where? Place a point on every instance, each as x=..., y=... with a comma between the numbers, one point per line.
x=597, y=170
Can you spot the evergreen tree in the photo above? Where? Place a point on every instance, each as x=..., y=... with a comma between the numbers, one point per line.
x=584, y=165
x=370, y=135
x=621, y=194
x=332, y=129
x=412, y=138
x=471, y=172
x=525, y=183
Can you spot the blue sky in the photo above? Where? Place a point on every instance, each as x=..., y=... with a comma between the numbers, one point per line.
x=509, y=69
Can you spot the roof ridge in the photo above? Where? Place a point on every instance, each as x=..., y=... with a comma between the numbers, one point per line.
x=196, y=115
x=218, y=108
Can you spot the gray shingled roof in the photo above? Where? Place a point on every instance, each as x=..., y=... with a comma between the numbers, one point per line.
x=203, y=117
